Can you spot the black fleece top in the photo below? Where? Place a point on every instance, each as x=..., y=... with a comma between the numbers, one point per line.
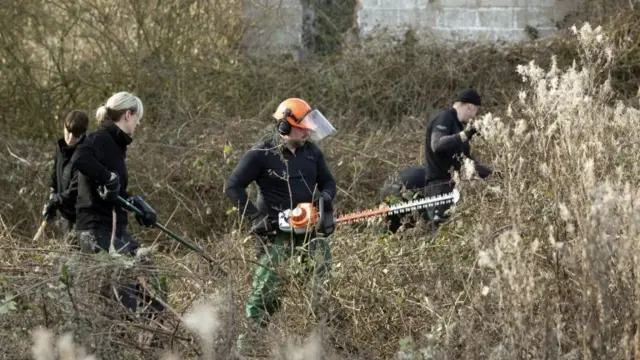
x=64, y=178
x=102, y=152
x=444, y=148
x=284, y=178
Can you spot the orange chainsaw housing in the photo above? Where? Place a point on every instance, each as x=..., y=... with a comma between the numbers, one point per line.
x=303, y=215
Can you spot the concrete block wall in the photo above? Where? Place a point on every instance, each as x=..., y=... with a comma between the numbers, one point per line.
x=273, y=26
x=463, y=19
x=276, y=25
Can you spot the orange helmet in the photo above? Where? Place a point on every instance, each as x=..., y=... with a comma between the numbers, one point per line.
x=294, y=110
x=298, y=113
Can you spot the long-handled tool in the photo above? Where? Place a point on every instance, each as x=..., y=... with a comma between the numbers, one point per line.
x=127, y=205
x=40, y=231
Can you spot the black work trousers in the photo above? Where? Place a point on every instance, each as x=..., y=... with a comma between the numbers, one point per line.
x=97, y=240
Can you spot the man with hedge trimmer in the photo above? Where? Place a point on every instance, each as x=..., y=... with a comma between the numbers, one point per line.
x=289, y=170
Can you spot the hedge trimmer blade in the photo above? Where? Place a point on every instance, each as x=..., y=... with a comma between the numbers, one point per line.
x=404, y=207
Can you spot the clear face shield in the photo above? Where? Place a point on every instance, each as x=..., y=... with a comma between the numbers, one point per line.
x=319, y=125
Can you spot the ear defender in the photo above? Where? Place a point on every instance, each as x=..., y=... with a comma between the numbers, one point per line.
x=284, y=127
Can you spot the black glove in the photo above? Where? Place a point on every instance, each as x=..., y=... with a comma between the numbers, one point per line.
x=262, y=225
x=148, y=217
x=326, y=199
x=470, y=130
x=484, y=172
x=110, y=190
x=328, y=224
x=49, y=210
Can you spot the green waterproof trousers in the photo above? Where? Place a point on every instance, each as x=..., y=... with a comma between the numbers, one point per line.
x=282, y=248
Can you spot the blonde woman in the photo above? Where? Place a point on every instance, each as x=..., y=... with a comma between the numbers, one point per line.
x=102, y=177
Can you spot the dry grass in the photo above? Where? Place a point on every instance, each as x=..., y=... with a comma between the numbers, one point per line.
x=540, y=264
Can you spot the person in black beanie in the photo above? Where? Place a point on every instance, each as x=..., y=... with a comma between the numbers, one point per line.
x=447, y=139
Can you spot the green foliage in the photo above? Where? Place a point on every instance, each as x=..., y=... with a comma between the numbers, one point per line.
x=8, y=304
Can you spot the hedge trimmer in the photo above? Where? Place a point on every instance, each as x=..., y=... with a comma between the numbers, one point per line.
x=400, y=208
x=305, y=216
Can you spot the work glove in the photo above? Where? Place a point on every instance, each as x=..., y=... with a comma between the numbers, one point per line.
x=148, y=217
x=326, y=198
x=110, y=190
x=50, y=207
x=484, y=172
x=262, y=225
x=328, y=224
x=470, y=130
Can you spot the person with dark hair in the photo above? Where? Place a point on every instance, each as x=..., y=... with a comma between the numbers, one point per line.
x=447, y=140
x=64, y=177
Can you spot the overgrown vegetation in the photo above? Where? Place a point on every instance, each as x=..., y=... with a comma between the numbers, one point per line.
x=539, y=264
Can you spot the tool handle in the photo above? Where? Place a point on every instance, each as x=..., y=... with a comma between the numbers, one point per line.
x=40, y=231
x=127, y=205
x=321, y=214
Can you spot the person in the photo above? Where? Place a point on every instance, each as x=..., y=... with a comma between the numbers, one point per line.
x=407, y=185
x=64, y=177
x=102, y=178
x=288, y=169
x=447, y=140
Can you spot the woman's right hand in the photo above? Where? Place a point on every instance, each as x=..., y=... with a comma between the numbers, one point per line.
x=110, y=190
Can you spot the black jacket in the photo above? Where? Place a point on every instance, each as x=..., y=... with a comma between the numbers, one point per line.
x=444, y=148
x=102, y=152
x=64, y=178
x=281, y=186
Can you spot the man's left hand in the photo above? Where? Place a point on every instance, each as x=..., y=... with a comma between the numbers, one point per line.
x=326, y=198
x=328, y=225
x=484, y=172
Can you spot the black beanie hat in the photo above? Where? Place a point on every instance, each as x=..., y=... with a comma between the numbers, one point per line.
x=470, y=96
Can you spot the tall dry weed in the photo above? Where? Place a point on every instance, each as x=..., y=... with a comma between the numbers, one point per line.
x=560, y=280
x=63, y=349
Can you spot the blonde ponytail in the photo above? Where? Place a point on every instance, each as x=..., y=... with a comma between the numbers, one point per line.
x=101, y=114
x=117, y=104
